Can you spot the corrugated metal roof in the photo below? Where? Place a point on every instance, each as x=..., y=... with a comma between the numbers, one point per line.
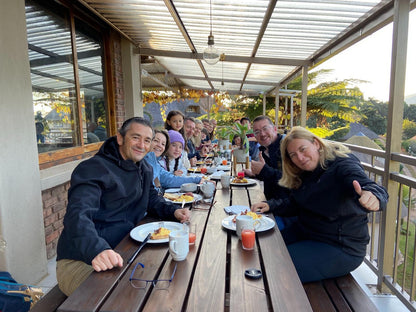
x=265, y=43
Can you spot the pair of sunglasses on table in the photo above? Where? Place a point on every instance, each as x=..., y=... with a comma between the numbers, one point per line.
x=143, y=283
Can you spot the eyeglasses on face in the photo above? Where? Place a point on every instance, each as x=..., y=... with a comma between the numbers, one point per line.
x=143, y=283
x=264, y=129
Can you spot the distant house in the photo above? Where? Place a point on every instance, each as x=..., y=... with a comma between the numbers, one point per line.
x=152, y=111
x=359, y=129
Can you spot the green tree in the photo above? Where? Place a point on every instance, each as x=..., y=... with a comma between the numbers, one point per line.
x=409, y=129
x=375, y=115
x=409, y=112
x=330, y=101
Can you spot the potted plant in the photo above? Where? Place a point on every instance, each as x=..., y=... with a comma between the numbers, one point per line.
x=239, y=130
x=223, y=138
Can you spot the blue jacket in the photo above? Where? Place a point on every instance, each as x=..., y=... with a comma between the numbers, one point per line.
x=166, y=178
x=107, y=198
x=327, y=205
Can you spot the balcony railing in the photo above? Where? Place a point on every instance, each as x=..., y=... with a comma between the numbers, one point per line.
x=390, y=253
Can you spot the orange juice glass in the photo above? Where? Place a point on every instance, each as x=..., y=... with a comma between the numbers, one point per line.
x=203, y=170
x=224, y=162
x=240, y=174
x=248, y=238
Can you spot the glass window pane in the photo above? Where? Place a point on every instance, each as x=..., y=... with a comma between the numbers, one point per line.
x=52, y=74
x=90, y=71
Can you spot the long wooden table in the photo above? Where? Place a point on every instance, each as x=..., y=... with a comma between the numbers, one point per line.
x=212, y=276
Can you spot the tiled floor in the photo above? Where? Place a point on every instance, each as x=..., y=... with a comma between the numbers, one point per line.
x=50, y=280
x=385, y=303
x=363, y=275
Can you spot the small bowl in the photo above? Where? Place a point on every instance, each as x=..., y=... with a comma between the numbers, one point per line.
x=189, y=187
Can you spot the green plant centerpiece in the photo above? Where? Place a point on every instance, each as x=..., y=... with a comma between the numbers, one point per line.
x=241, y=131
x=223, y=136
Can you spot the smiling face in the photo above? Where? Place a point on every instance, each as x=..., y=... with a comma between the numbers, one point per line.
x=175, y=150
x=136, y=143
x=189, y=128
x=264, y=132
x=304, y=153
x=158, y=144
x=176, y=122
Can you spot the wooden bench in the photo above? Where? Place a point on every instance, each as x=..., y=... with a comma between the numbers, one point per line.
x=338, y=294
x=50, y=302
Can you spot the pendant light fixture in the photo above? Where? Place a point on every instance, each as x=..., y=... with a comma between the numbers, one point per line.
x=211, y=54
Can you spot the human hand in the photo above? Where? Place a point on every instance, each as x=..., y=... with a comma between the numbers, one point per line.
x=257, y=166
x=182, y=214
x=260, y=207
x=178, y=173
x=248, y=173
x=367, y=199
x=106, y=260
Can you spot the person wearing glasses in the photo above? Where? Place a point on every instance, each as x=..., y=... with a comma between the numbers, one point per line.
x=109, y=194
x=268, y=167
x=331, y=194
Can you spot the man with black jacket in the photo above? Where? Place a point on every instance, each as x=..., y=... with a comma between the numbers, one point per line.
x=269, y=166
x=109, y=194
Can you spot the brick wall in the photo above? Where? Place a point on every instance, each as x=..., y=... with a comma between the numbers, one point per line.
x=55, y=199
x=54, y=202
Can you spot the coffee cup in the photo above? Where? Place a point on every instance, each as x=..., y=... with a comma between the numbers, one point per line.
x=243, y=221
x=179, y=245
x=225, y=181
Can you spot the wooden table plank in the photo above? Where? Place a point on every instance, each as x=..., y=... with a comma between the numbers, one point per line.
x=174, y=298
x=208, y=287
x=91, y=294
x=245, y=294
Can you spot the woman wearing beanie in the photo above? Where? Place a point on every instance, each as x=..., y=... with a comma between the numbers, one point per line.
x=175, y=154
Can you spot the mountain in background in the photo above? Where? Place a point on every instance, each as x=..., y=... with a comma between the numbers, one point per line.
x=410, y=99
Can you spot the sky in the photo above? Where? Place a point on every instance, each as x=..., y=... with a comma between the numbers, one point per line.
x=369, y=60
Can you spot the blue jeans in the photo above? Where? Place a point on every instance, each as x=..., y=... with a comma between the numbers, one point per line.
x=316, y=260
x=283, y=222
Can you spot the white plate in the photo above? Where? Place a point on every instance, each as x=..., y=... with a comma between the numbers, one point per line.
x=173, y=190
x=236, y=209
x=217, y=175
x=249, y=182
x=224, y=168
x=266, y=223
x=197, y=197
x=140, y=232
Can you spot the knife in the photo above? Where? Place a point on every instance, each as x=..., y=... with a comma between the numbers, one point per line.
x=138, y=249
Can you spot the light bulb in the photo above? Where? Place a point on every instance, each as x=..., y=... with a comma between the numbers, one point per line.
x=211, y=54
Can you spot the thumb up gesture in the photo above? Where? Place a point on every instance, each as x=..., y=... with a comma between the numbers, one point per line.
x=257, y=166
x=367, y=199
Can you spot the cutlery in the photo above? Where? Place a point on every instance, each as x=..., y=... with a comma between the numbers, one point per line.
x=140, y=248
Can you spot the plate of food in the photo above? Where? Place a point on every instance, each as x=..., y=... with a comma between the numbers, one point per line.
x=194, y=170
x=266, y=223
x=236, y=181
x=160, y=231
x=178, y=198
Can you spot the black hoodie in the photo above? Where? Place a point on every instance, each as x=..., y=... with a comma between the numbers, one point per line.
x=107, y=198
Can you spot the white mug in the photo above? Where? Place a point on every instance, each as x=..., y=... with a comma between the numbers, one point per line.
x=245, y=221
x=179, y=245
x=225, y=181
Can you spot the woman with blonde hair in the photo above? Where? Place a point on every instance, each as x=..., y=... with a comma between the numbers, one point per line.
x=331, y=195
